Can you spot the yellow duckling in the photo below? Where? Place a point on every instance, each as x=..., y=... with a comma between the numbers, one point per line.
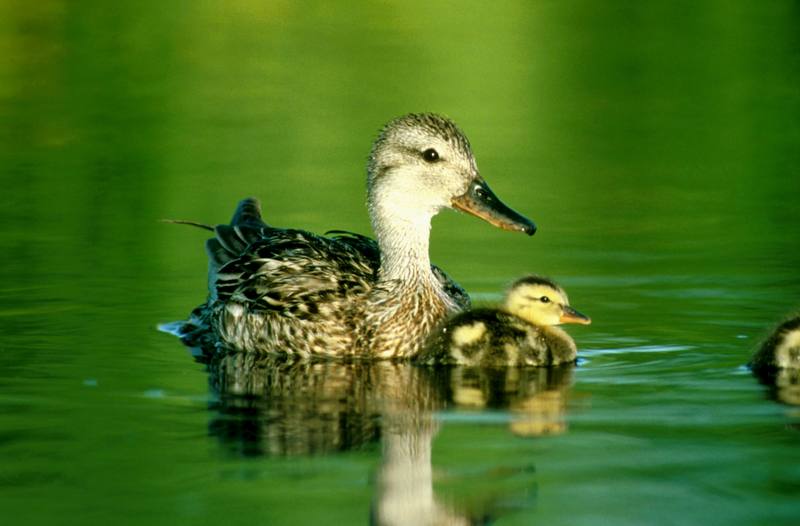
x=781, y=350
x=523, y=332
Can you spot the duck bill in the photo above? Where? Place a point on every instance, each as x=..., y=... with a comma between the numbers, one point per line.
x=570, y=315
x=481, y=202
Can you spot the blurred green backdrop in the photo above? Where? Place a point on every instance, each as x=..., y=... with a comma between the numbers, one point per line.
x=654, y=143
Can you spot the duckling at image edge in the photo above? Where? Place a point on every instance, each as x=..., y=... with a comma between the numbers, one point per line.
x=781, y=350
x=523, y=332
x=291, y=291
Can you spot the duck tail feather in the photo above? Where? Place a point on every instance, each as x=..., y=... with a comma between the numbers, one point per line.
x=248, y=212
x=229, y=238
x=190, y=223
x=250, y=234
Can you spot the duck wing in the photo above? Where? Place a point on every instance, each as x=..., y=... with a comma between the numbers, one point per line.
x=453, y=289
x=291, y=279
x=291, y=271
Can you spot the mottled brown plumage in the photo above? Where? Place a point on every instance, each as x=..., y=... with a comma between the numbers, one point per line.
x=292, y=291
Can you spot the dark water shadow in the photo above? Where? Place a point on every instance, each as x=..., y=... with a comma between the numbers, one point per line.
x=272, y=406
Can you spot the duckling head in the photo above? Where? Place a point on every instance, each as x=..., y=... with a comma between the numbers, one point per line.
x=542, y=302
x=422, y=163
x=786, y=343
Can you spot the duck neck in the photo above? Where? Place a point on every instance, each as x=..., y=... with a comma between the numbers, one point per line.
x=404, y=243
x=408, y=300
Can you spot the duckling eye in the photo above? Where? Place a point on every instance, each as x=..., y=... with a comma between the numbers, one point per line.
x=430, y=155
x=544, y=299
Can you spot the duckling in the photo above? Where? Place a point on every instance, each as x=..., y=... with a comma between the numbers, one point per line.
x=776, y=363
x=781, y=350
x=523, y=332
x=341, y=295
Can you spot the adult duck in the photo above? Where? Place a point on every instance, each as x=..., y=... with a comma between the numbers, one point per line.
x=523, y=332
x=291, y=291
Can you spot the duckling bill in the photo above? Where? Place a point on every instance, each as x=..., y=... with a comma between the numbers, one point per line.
x=523, y=332
x=291, y=291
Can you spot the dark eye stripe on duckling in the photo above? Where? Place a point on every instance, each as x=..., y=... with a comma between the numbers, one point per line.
x=543, y=299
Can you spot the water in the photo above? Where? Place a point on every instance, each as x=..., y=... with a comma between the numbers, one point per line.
x=656, y=146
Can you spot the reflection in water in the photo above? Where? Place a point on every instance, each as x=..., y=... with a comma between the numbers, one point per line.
x=787, y=386
x=273, y=406
x=536, y=397
x=784, y=384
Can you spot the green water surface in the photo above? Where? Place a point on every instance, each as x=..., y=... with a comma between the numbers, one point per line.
x=655, y=144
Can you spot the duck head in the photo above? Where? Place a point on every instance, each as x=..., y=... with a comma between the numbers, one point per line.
x=542, y=302
x=422, y=163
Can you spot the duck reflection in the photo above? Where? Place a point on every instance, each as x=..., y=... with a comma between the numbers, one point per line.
x=535, y=397
x=783, y=384
x=276, y=407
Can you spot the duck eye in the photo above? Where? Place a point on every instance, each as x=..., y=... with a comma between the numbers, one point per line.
x=430, y=155
x=544, y=299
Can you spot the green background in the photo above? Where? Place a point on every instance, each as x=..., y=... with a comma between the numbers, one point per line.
x=655, y=144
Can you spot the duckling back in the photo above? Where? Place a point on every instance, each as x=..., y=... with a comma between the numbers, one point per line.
x=492, y=337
